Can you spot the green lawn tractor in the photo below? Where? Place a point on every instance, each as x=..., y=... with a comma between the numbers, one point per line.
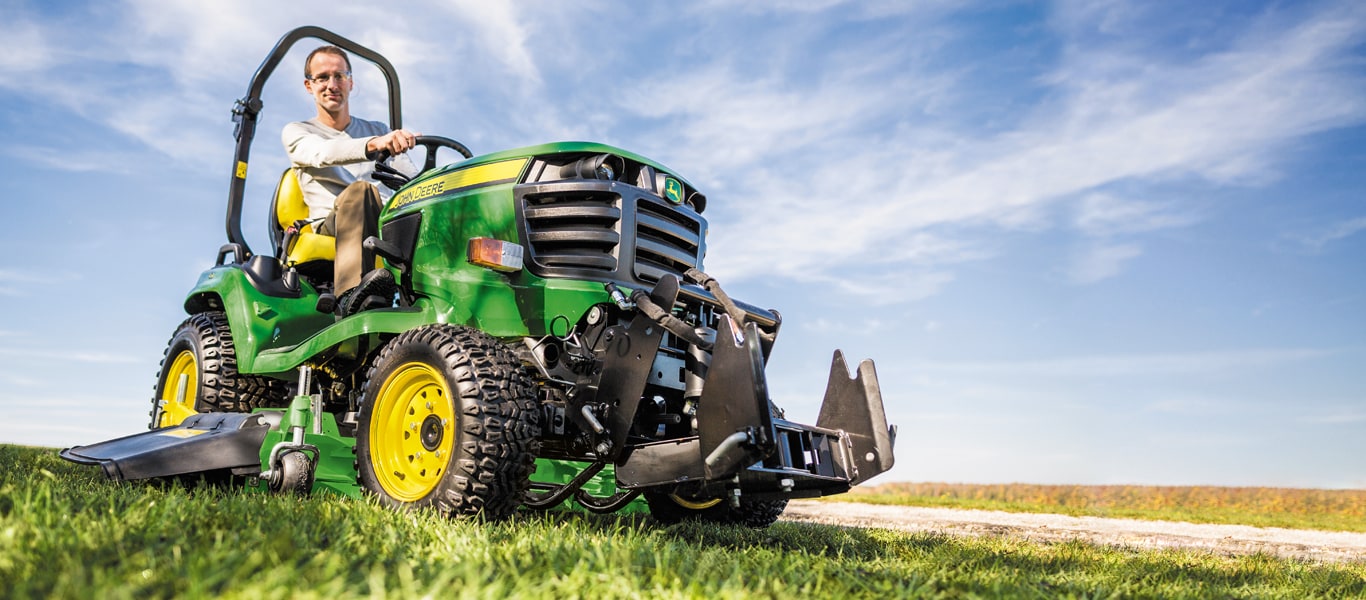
x=552, y=336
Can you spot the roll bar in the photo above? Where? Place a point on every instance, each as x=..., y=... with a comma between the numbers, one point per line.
x=246, y=110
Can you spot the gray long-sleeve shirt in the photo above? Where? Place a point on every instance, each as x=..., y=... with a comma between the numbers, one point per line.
x=329, y=160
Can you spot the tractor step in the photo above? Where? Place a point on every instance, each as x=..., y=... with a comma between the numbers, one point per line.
x=203, y=443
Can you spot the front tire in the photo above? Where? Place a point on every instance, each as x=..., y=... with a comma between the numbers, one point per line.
x=449, y=420
x=201, y=355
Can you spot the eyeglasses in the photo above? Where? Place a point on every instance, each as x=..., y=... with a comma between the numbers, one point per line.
x=325, y=78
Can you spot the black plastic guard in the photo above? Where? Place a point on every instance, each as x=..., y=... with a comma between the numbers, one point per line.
x=204, y=442
x=734, y=400
x=854, y=406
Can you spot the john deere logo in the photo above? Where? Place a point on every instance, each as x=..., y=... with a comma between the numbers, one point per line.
x=673, y=190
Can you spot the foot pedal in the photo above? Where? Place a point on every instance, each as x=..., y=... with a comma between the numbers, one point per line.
x=326, y=303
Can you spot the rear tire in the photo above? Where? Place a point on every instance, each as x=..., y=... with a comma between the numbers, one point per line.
x=671, y=508
x=201, y=350
x=449, y=420
x=676, y=508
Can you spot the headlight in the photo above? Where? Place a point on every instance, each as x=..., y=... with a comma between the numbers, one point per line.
x=601, y=166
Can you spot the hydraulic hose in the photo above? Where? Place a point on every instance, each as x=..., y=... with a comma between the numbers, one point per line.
x=736, y=313
x=714, y=286
x=646, y=305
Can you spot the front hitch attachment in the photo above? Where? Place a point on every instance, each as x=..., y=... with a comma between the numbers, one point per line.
x=743, y=447
x=854, y=407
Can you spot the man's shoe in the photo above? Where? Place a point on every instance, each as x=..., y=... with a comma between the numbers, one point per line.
x=376, y=290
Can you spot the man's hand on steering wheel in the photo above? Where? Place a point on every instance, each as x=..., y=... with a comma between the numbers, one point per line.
x=393, y=143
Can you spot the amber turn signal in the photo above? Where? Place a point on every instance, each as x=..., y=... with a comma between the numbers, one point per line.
x=495, y=254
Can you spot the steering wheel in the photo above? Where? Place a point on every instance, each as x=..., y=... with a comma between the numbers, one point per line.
x=432, y=143
x=394, y=179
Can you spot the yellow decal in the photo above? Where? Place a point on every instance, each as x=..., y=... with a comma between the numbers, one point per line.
x=488, y=174
x=241, y=169
x=184, y=433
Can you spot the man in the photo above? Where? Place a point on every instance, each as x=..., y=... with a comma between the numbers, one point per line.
x=334, y=154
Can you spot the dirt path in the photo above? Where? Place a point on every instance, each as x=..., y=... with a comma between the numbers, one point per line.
x=1330, y=546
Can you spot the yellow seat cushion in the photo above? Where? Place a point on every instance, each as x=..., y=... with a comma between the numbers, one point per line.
x=308, y=246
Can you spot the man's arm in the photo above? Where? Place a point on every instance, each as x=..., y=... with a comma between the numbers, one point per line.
x=309, y=149
x=306, y=148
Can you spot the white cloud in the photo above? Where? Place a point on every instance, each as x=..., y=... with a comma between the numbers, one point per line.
x=1315, y=242
x=164, y=72
x=502, y=30
x=76, y=161
x=26, y=49
x=1104, y=214
x=1098, y=262
x=729, y=121
x=856, y=8
x=828, y=175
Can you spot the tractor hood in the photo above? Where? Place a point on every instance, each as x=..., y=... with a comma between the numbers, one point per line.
x=549, y=163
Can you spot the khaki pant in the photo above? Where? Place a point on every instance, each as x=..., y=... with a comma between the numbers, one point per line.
x=354, y=217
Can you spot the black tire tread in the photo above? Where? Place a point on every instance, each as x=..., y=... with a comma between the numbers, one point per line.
x=752, y=513
x=222, y=387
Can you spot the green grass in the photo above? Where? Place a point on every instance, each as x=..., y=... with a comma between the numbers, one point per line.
x=67, y=533
x=1332, y=510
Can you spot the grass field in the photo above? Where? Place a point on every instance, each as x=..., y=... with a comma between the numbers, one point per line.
x=1335, y=510
x=67, y=533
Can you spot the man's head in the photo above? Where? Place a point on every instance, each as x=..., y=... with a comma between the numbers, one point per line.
x=327, y=76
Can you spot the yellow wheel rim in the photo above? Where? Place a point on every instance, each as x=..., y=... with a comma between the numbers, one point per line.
x=689, y=504
x=412, y=432
x=176, y=407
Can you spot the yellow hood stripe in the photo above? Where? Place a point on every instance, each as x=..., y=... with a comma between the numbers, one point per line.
x=480, y=175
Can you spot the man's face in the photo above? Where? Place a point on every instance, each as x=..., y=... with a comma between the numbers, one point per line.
x=332, y=95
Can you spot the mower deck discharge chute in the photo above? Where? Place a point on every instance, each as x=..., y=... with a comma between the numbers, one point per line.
x=552, y=336
x=203, y=443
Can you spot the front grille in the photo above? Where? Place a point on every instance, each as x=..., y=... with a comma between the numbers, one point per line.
x=575, y=229
x=667, y=240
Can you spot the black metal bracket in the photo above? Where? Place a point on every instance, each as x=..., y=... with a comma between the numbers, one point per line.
x=243, y=109
x=854, y=406
x=734, y=403
x=630, y=354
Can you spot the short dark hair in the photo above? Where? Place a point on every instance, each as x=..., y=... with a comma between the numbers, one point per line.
x=325, y=50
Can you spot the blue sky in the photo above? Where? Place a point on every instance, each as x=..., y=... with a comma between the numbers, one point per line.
x=1084, y=242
